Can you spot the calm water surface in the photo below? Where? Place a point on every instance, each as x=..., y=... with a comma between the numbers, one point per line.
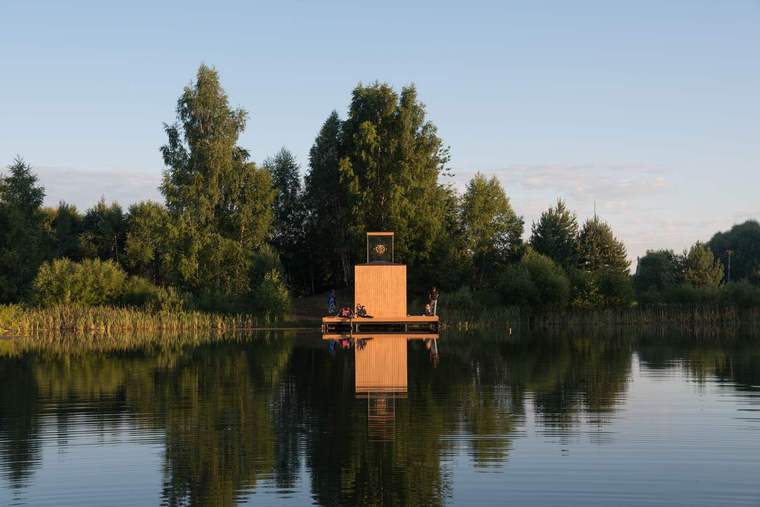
x=284, y=420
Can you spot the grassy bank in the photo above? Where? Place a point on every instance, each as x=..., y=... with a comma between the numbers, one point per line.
x=691, y=318
x=20, y=320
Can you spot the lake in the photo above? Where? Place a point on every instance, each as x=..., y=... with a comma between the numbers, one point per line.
x=288, y=419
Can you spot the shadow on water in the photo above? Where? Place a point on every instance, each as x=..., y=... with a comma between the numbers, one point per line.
x=289, y=413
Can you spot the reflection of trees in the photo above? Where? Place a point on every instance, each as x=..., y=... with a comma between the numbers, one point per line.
x=732, y=359
x=213, y=402
x=19, y=421
x=219, y=434
x=235, y=414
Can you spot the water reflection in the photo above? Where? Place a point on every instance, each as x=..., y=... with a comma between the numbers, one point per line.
x=384, y=421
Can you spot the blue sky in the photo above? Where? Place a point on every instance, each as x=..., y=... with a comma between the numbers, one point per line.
x=649, y=109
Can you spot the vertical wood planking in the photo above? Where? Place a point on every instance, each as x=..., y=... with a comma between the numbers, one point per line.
x=381, y=365
x=381, y=289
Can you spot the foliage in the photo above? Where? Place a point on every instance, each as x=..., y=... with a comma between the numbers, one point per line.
x=742, y=294
x=147, y=246
x=104, y=230
x=492, y=229
x=66, y=228
x=90, y=282
x=139, y=292
x=598, y=249
x=23, y=239
x=376, y=170
x=328, y=208
x=235, y=237
x=536, y=281
x=741, y=244
x=270, y=297
x=221, y=203
x=289, y=227
x=700, y=268
x=556, y=235
x=615, y=288
x=657, y=271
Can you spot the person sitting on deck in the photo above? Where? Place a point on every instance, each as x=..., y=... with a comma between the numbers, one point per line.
x=361, y=311
x=428, y=310
x=345, y=312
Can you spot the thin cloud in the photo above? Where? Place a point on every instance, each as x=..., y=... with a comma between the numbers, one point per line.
x=84, y=188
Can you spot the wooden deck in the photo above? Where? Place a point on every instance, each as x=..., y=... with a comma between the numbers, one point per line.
x=408, y=324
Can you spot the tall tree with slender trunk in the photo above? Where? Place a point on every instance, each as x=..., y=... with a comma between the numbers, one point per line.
x=24, y=243
x=220, y=201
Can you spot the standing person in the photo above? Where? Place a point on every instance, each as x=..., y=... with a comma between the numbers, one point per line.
x=331, y=304
x=433, y=300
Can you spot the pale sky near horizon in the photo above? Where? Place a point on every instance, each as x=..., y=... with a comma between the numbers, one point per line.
x=649, y=109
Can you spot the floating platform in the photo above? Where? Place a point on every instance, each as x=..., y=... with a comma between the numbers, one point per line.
x=410, y=325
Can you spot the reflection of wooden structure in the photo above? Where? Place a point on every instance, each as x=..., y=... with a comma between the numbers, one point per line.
x=380, y=286
x=381, y=365
x=381, y=377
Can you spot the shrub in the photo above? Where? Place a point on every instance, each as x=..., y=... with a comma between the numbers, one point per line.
x=271, y=296
x=743, y=294
x=537, y=281
x=462, y=299
x=91, y=282
x=615, y=288
x=140, y=292
x=686, y=294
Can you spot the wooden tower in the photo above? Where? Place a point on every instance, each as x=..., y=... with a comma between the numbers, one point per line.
x=380, y=284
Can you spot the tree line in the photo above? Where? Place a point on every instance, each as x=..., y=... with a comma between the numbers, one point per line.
x=232, y=235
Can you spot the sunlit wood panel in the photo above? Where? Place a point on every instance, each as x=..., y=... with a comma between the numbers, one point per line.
x=381, y=289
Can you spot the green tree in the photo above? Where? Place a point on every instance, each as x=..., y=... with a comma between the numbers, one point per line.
x=700, y=268
x=221, y=203
x=23, y=239
x=289, y=230
x=392, y=158
x=328, y=209
x=556, y=235
x=91, y=282
x=599, y=250
x=741, y=247
x=491, y=227
x=615, y=288
x=104, y=230
x=535, y=281
x=656, y=272
x=66, y=227
x=148, y=240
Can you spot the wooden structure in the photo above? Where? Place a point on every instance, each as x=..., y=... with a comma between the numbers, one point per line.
x=380, y=287
x=409, y=324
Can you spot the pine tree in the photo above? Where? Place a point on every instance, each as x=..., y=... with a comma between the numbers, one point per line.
x=599, y=250
x=24, y=243
x=700, y=268
x=556, y=235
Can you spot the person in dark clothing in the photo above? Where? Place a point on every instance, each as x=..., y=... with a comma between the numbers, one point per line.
x=331, y=304
x=433, y=300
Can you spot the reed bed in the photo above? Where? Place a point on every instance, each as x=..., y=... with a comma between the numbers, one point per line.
x=688, y=318
x=107, y=320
